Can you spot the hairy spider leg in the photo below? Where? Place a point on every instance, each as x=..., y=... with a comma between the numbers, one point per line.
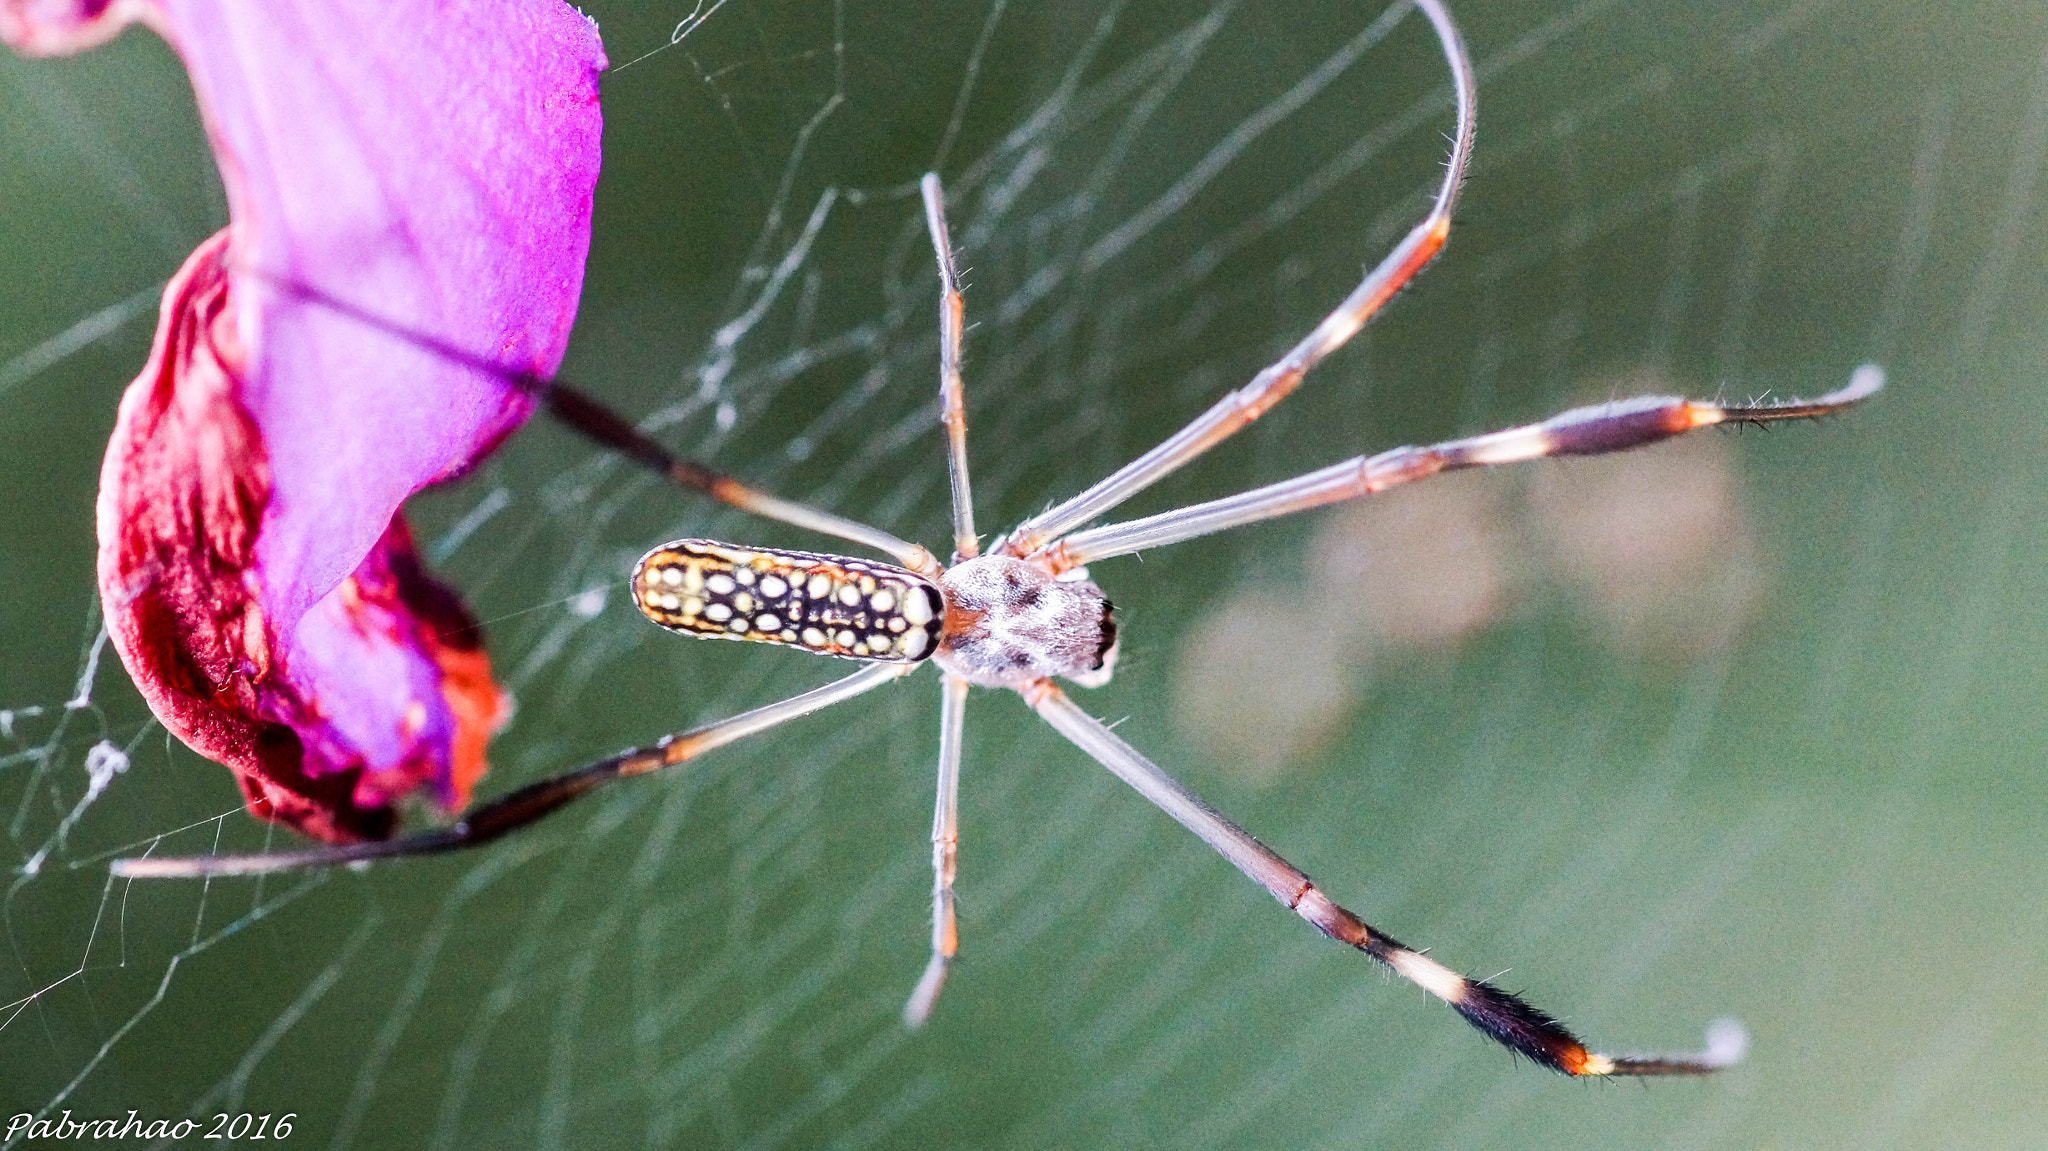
x=952, y=394
x=606, y=427
x=1502, y=1015
x=1273, y=384
x=945, y=850
x=600, y=424
x=966, y=545
x=1610, y=427
x=530, y=804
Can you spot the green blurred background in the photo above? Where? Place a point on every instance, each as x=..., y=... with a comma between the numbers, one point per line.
x=1748, y=727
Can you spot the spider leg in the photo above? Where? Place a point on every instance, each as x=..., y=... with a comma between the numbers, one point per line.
x=952, y=394
x=606, y=427
x=1273, y=384
x=1582, y=431
x=529, y=804
x=609, y=429
x=945, y=850
x=1503, y=1016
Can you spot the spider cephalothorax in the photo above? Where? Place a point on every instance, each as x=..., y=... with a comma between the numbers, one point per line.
x=1009, y=622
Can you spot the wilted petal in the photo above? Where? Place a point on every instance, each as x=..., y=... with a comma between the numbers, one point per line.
x=431, y=164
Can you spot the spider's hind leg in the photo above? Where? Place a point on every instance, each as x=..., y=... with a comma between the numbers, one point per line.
x=596, y=422
x=1503, y=1016
x=528, y=805
x=606, y=427
x=945, y=851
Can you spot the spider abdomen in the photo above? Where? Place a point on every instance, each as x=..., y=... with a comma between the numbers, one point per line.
x=856, y=609
x=1009, y=622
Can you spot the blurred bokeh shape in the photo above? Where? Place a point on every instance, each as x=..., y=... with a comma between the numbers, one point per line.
x=1652, y=547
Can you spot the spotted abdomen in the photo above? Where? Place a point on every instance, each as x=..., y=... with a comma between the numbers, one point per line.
x=853, y=608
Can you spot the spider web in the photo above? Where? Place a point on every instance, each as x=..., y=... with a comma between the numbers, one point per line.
x=1742, y=726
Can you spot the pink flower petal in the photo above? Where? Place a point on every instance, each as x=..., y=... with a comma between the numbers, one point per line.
x=428, y=163
x=61, y=27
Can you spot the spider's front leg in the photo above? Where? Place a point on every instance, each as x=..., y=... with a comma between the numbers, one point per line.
x=1587, y=431
x=1273, y=384
x=1502, y=1015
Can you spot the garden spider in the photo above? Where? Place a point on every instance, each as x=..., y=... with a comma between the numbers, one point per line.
x=1024, y=612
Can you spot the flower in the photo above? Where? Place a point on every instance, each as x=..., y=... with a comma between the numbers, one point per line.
x=433, y=164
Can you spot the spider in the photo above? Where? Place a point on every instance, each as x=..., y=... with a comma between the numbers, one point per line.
x=1024, y=613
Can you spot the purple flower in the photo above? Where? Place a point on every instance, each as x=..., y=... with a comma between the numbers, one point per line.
x=430, y=163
